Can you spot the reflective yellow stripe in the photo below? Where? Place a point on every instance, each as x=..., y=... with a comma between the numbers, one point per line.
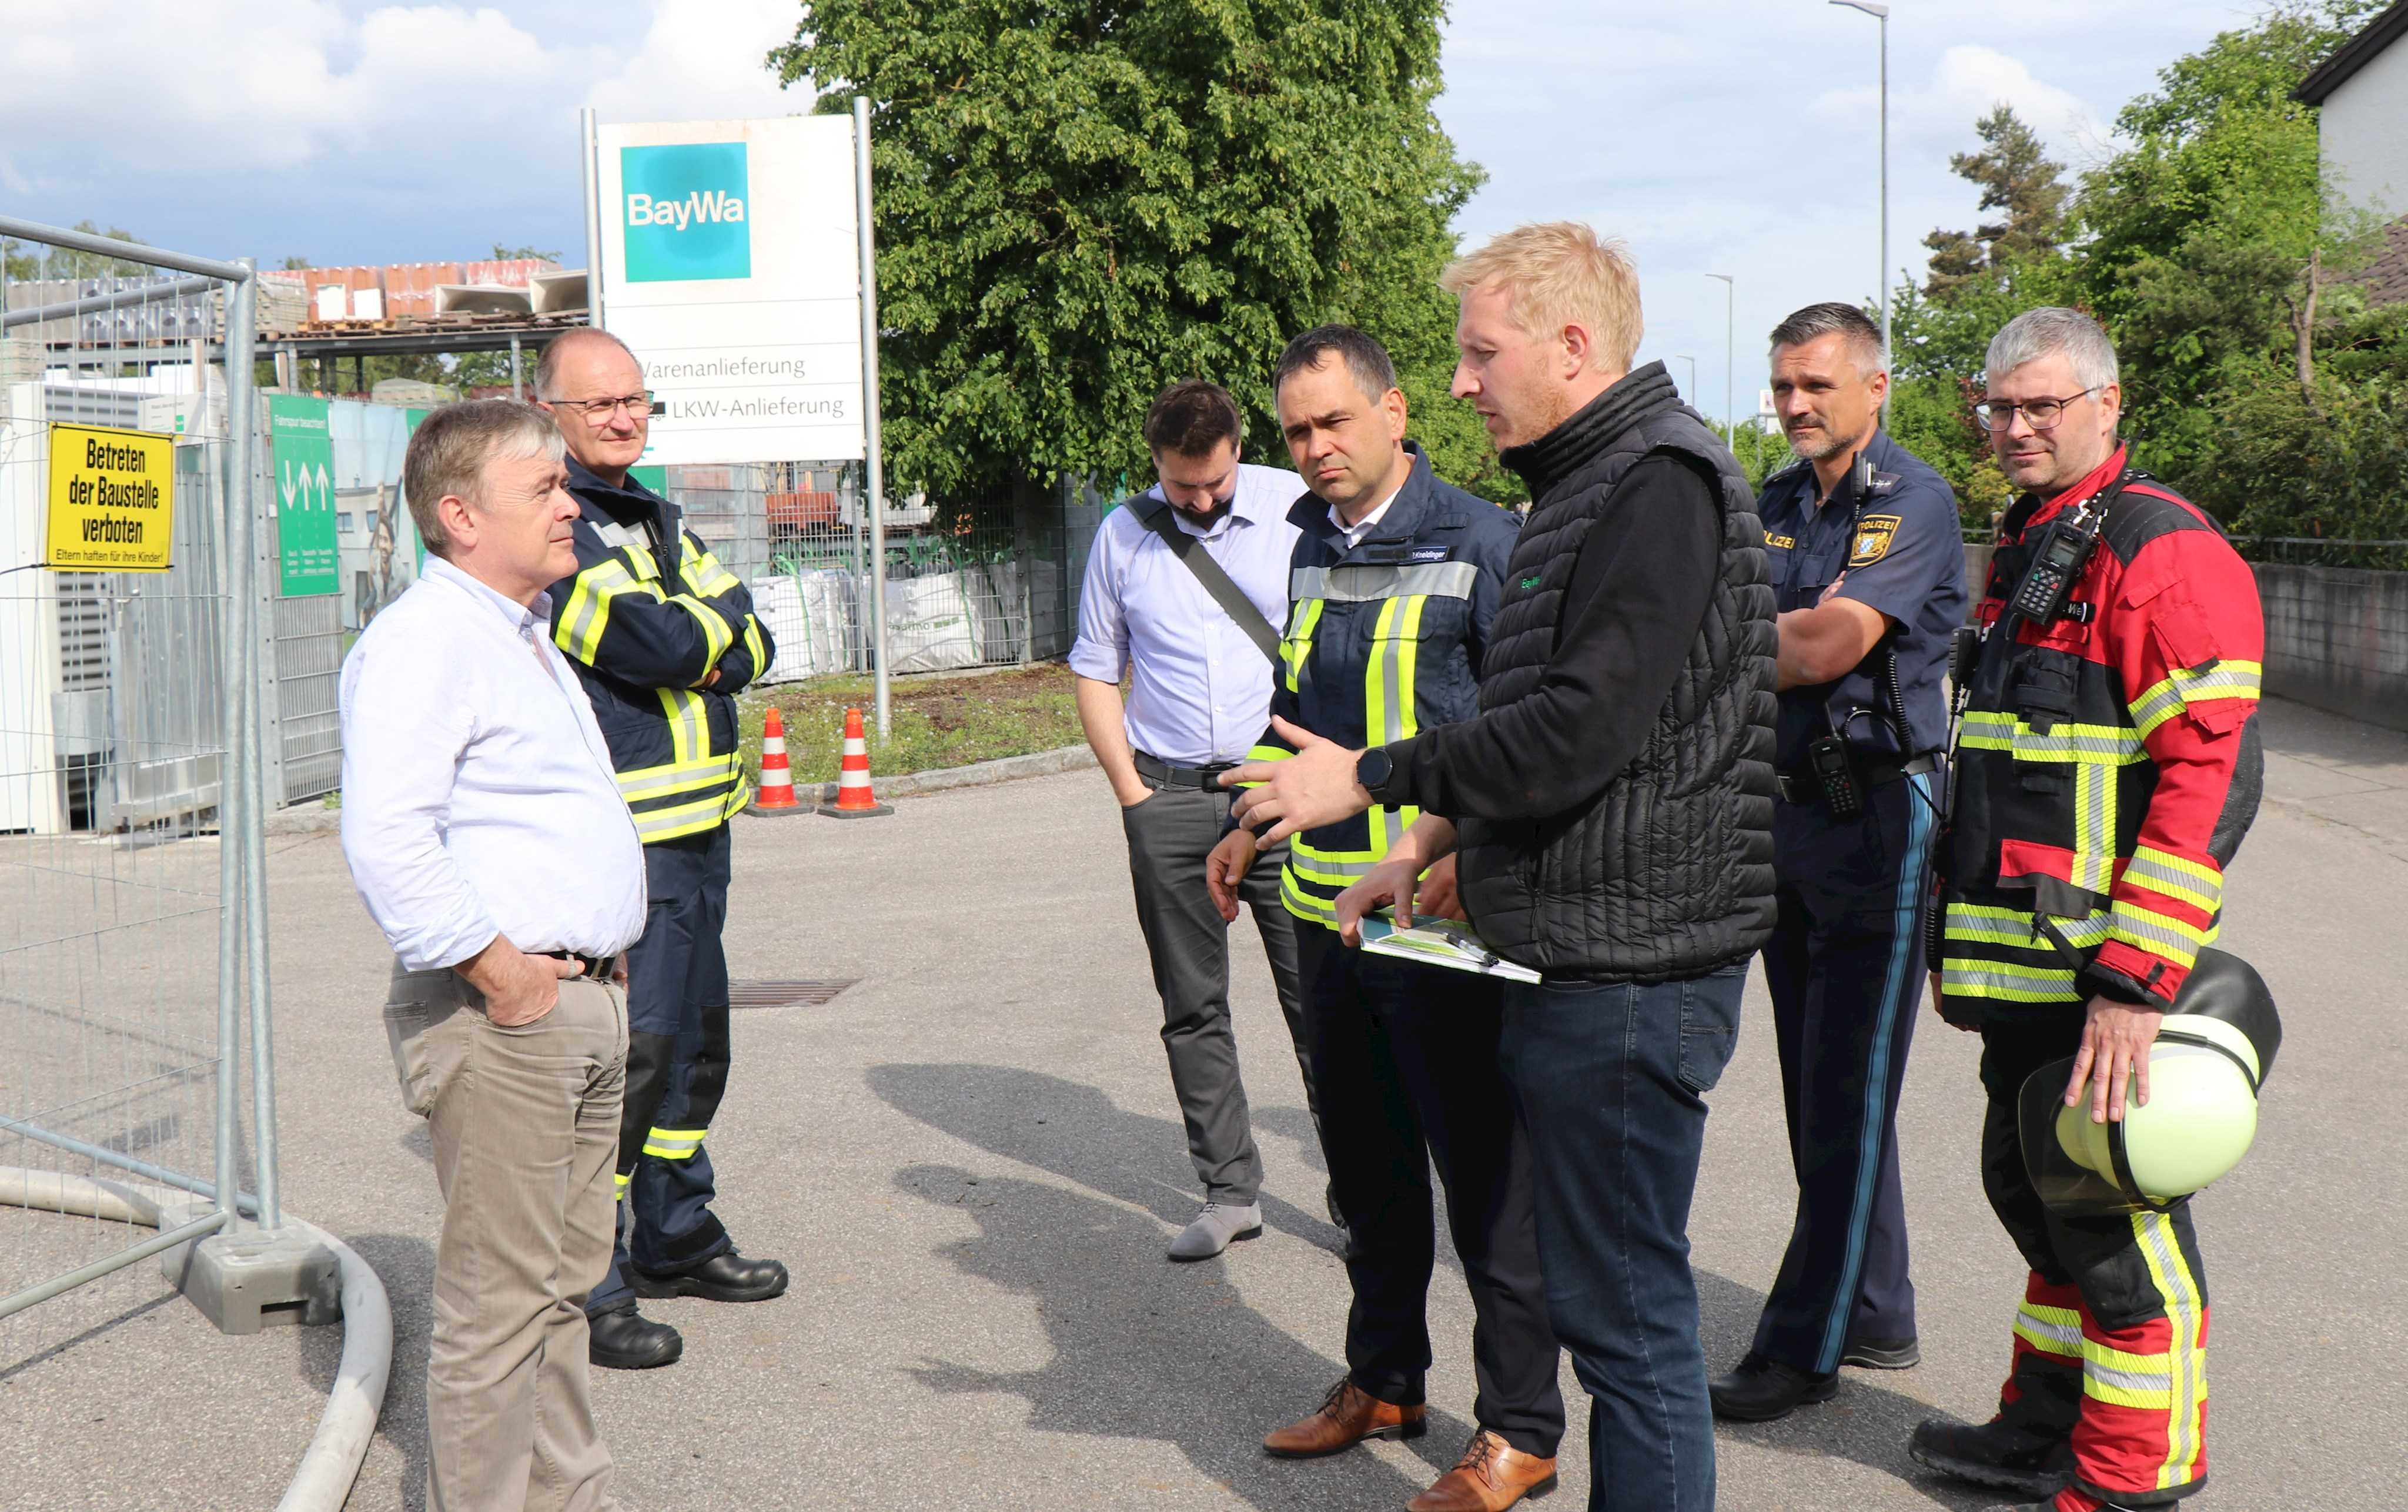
x=2007, y=981
x=2179, y=878
x=703, y=571
x=2187, y=1372
x=685, y=819
x=2109, y=744
x=674, y=1144
x=2052, y=1331
x=1298, y=647
x=580, y=632
x=2184, y=688
x=754, y=648
x=689, y=725
x=2094, y=828
x=717, y=633
x=1304, y=904
x=2158, y=933
x=650, y=783
x=623, y=1178
x=2019, y=928
x=1318, y=868
x=2128, y=1380
x=1269, y=753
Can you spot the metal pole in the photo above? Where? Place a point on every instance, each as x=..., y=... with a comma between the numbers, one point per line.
x=85, y=242
x=1884, y=229
x=234, y=577
x=586, y=140
x=242, y=420
x=874, y=463
x=1730, y=360
x=1689, y=393
x=518, y=388
x=60, y=1285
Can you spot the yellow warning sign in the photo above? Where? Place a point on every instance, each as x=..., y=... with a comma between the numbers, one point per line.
x=112, y=500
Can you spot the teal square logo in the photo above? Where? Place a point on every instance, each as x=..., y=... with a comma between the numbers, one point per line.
x=686, y=213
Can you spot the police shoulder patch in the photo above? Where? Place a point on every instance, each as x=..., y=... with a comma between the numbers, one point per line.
x=1873, y=535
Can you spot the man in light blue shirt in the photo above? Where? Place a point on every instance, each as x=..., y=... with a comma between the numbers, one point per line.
x=1200, y=693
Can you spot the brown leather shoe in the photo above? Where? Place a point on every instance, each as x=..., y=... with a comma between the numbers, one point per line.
x=1491, y=1476
x=1348, y=1416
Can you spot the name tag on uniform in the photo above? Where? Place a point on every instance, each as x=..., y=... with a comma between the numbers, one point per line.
x=1873, y=535
x=1784, y=542
x=1437, y=555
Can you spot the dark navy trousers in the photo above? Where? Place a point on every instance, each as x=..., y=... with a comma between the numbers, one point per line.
x=678, y=1052
x=1846, y=973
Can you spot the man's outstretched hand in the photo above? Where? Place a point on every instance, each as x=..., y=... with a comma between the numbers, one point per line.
x=1315, y=787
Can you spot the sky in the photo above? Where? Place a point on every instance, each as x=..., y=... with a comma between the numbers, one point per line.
x=1736, y=136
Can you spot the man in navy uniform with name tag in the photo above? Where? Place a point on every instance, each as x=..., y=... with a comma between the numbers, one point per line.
x=1869, y=565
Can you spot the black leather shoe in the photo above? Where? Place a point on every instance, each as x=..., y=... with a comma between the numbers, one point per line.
x=727, y=1276
x=1995, y=1453
x=1882, y=1354
x=1761, y=1390
x=624, y=1340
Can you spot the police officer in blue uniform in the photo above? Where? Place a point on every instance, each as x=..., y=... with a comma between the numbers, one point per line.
x=1869, y=565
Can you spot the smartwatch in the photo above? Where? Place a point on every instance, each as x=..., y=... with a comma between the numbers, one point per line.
x=1374, y=769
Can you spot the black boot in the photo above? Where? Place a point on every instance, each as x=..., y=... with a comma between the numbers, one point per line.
x=1761, y=1390
x=1882, y=1354
x=725, y=1276
x=1995, y=1453
x=624, y=1340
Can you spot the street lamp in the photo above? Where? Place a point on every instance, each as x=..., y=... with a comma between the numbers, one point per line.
x=1881, y=13
x=1730, y=360
x=1691, y=391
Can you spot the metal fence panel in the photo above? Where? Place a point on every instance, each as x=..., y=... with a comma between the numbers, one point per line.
x=120, y=955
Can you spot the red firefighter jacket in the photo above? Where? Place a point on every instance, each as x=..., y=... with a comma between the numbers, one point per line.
x=2109, y=761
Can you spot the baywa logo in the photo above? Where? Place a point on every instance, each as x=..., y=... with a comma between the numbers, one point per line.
x=685, y=212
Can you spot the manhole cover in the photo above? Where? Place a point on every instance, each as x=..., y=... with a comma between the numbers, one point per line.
x=785, y=995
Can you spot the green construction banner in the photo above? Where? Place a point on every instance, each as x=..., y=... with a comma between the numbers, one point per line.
x=304, y=460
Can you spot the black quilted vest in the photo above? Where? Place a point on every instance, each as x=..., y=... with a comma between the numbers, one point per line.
x=1667, y=872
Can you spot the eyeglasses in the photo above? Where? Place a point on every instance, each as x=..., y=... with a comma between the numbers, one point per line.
x=2040, y=414
x=600, y=411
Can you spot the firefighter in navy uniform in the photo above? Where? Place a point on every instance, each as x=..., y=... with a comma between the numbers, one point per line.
x=1868, y=566
x=2109, y=767
x=1397, y=579
x=663, y=637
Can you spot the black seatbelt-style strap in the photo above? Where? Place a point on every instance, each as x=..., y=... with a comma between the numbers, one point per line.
x=1155, y=514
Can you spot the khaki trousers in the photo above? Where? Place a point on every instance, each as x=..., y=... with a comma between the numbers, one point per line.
x=526, y=1126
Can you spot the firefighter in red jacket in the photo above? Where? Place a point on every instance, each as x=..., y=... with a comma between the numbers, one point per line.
x=2108, y=764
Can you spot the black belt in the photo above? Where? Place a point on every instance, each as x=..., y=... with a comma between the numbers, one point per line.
x=1202, y=779
x=597, y=968
x=1800, y=785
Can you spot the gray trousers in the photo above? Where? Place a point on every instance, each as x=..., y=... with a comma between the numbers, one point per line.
x=1169, y=836
x=525, y=1127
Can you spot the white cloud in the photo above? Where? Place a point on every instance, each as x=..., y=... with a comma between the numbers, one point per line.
x=278, y=84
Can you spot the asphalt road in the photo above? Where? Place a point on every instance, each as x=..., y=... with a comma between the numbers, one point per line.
x=971, y=1159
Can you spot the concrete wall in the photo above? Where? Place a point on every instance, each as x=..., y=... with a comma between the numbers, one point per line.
x=2337, y=637
x=2363, y=133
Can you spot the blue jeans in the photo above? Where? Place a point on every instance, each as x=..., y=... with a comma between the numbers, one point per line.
x=1609, y=1077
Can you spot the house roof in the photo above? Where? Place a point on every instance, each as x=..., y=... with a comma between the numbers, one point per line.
x=2354, y=54
x=2386, y=278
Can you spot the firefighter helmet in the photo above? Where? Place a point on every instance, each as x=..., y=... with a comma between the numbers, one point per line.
x=2211, y=1054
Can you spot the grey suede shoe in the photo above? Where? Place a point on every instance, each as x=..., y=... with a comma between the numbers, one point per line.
x=1215, y=1229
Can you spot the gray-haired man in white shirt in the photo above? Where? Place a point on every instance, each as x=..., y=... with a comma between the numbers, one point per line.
x=486, y=835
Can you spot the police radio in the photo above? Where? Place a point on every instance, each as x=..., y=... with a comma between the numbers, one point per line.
x=2057, y=564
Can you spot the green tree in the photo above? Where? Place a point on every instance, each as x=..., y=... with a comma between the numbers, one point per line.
x=1078, y=204
x=514, y=254
x=2018, y=176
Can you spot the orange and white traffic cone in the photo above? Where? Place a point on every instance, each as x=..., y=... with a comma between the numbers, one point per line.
x=777, y=795
x=853, y=799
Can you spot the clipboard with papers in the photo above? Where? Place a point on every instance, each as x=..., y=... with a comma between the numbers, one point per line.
x=1439, y=942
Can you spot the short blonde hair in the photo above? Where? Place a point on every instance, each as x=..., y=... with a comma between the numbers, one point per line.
x=1560, y=273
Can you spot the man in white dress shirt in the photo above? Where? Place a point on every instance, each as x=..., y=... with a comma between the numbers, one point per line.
x=1201, y=693
x=487, y=837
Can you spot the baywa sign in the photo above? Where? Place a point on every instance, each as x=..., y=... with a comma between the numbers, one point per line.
x=685, y=212
x=729, y=262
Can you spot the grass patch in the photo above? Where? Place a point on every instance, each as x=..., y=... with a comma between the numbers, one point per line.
x=941, y=719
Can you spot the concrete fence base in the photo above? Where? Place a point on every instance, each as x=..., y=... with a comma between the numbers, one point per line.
x=2337, y=637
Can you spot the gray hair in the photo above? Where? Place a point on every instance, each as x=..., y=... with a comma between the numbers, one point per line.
x=2052, y=328
x=1815, y=322
x=449, y=453
x=547, y=367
